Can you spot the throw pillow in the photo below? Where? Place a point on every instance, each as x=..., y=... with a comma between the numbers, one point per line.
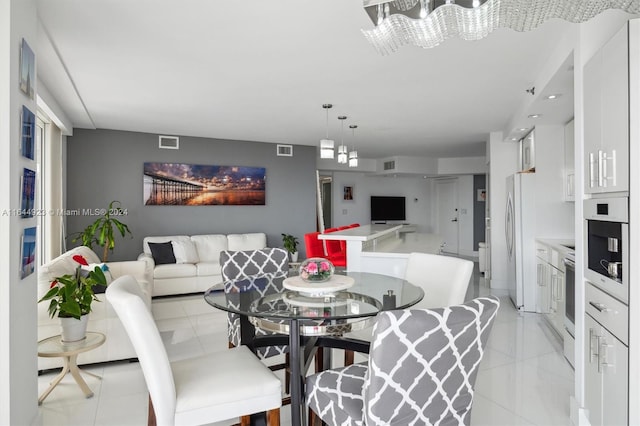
x=85, y=269
x=185, y=252
x=162, y=253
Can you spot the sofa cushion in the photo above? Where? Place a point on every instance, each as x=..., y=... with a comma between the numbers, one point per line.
x=175, y=270
x=185, y=252
x=209, y=246
x=163, y=239
x=242, y=242
x=162, y=253
x=205, y=269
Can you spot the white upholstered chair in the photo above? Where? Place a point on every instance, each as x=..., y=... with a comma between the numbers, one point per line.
x=444, y=279
x=421, y=370
x=218, y=386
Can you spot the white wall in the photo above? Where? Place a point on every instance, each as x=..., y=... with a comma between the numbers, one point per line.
x=459, y=165
x=18, y=366
x=416, y=190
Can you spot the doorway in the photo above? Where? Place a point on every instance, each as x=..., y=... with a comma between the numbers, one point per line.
x=447, y=213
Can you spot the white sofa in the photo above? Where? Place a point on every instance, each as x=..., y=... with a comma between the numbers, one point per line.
x=102, y=317
x=197, y=266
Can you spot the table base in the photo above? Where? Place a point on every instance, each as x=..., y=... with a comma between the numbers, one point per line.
x=70, y=366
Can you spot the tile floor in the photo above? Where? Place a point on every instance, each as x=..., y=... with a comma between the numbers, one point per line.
x=523, y=380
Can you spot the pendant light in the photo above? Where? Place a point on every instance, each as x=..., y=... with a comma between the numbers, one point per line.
x=342, y=150
x=353, y=155
x=326, y=145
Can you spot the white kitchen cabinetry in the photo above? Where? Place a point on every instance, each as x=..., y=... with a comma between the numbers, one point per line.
x=606, y=117
x=551, y=285
x=569, y=167
x=606, y=376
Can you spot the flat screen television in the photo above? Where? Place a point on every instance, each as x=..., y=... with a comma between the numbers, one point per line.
x=387, y=208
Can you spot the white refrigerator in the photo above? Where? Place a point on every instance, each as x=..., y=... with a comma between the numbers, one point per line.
x=520, y=231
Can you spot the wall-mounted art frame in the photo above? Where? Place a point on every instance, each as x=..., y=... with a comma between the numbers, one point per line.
x=482, y=195
x=347, y=193
x=203, y=185
x=27, y=69
x=27, y=193
x=28, y=252
x=28, y=135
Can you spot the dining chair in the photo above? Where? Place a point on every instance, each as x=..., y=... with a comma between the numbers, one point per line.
x=201, y=390
x=242, y=265
x=421, y=370
x=444, y=279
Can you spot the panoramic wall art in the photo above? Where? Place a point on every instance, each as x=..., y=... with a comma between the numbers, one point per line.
x=200, y=185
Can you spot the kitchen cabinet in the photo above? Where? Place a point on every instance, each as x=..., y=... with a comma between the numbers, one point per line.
x=569, y=163
x=527, y=155
x=551, y=285
x=606, y=117
x=606, y=376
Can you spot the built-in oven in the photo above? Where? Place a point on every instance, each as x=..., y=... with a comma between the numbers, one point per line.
x=607, y=249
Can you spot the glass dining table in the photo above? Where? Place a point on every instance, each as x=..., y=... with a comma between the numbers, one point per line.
x=307, y=320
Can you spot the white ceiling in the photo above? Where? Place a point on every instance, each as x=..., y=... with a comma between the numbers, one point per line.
x=260, y=70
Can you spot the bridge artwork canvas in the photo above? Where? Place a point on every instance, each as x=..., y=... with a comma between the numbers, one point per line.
x=202, y=185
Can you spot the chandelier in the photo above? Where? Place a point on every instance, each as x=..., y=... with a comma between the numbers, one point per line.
x=427, y=23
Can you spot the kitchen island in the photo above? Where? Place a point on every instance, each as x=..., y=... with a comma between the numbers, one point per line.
x=383, y=249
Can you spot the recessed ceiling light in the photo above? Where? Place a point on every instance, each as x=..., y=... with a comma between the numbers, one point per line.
x=553, y=96
x=514, y=139
x=522, y=129
x=535, y=115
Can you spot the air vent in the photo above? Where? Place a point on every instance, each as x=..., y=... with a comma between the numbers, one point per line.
x=168, y=142
x=389, y=165
x=285, y=150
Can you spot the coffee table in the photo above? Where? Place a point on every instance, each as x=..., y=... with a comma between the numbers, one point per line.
x=54, y=347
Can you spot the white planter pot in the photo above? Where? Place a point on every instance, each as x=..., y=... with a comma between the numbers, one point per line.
x=73, y=329
x=294, y=257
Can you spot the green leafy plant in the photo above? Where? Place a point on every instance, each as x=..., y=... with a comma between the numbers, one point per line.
x=101, y=231
x=71, y=295
x=290, y=243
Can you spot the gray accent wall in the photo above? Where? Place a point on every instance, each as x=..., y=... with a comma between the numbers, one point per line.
x=105, y=165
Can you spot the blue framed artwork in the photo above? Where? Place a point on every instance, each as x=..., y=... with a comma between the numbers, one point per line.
x=28, y=144
x=27, y=69
x=28, y=252
x=28, y=193
x=203, y=185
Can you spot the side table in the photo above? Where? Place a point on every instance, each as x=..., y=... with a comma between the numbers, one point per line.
x=54, y=347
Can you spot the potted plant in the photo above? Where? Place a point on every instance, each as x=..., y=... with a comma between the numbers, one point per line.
x=71, y=296
x=291, y=245
x=101, y=231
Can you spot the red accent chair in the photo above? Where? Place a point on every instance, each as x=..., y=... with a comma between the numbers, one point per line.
x=334, y=251
x=354, y=225
x=314, y=246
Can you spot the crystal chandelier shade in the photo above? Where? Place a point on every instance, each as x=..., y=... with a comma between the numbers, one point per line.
x=401, y=24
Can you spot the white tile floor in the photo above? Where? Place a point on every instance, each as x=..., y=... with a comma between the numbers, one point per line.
x=523, y=380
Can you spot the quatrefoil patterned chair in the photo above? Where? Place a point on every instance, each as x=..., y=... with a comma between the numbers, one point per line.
x=422, y=369
x=239, y=266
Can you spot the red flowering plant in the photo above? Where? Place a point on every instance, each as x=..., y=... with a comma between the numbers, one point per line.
x=71, y=295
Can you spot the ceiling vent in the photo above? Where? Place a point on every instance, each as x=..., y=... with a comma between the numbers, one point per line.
x=284, y=150
x=168, y=142
x=389, y=165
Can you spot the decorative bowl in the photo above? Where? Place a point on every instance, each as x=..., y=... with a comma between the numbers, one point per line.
x=316, y=270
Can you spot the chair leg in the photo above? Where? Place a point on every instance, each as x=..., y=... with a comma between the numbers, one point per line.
x=314, y=420
x=273, y=417
x=319, y=359
x=348, y=357
x=151, y=419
